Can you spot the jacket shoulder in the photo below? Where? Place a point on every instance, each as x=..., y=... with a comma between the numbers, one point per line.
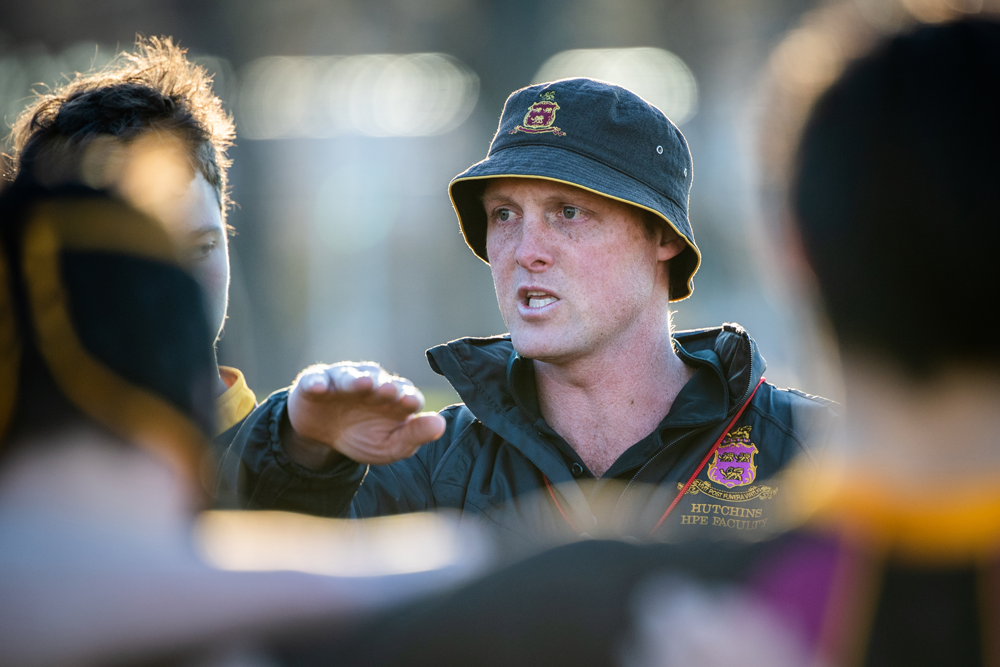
x=455, y=450
x=808, y=419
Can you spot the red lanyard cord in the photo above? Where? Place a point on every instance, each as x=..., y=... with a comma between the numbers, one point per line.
x=705, y=460
x=548, y=486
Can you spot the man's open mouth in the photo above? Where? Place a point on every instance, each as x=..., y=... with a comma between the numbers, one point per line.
x=534, y=299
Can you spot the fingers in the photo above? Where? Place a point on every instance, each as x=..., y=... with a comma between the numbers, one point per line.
x=353, y=378
x=410, y=397
x=313, y=382
x=366, y=381
x=398, y=391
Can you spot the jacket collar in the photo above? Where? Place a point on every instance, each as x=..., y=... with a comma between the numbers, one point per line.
x=733, y=354
x=484, y=372
x=477, y=369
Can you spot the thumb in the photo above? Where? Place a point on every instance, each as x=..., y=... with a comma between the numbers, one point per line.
x=418, y=430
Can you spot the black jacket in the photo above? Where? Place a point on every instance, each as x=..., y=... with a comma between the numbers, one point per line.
x=501, y=464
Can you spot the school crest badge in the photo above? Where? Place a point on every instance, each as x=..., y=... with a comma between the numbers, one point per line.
x=733, y=463
x=541, y=117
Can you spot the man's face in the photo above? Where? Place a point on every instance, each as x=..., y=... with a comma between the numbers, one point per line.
x=575, y=273
x=196, y=223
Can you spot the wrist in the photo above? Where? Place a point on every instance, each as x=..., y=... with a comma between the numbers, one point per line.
x=306, y=452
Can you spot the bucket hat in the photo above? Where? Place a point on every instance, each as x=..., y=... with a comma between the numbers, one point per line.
x=592, y=135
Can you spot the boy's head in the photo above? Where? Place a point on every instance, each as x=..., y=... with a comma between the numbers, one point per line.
x=155, y=89
x=148, y=127
x=897, y=199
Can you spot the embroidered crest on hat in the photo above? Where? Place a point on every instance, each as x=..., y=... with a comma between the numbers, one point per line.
x=541, y=117
x=733, y=463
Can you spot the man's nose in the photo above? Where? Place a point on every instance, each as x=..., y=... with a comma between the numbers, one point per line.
x=534, y=248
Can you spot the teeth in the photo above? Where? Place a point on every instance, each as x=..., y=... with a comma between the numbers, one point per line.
x=538, y=302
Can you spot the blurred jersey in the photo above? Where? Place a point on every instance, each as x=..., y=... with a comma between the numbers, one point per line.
x=870, y=579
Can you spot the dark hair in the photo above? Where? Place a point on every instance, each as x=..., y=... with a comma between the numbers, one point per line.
x=897, y=195
x=155, y=89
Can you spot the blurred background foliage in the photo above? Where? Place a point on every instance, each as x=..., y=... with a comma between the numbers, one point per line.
x=353, y=115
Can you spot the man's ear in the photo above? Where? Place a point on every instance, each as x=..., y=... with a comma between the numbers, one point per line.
x=671, y=245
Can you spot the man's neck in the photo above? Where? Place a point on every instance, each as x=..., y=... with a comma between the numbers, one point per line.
x=607, y=402
x=935, y=431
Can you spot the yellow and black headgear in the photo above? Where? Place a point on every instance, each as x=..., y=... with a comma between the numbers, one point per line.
x=98, y=321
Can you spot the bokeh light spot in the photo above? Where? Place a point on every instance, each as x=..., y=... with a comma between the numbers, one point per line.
x=658, y=76
x=379, y=95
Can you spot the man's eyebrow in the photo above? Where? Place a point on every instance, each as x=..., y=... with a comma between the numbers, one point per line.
x=495, y=199
x=207, y=229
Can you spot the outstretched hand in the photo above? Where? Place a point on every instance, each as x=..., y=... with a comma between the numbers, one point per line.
x=359, y=411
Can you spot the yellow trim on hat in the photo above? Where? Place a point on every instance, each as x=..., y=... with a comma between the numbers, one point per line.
x=235, y=403
x=135, y=414
x=10, y=349
x=461, y=224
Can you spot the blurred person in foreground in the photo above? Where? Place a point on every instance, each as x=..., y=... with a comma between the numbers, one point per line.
x=106, y=379
x=592, y=417
x=118, y=129
x=148, y=129
x=896, y=206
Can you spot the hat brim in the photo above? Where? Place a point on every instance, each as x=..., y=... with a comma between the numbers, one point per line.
x=570, y=168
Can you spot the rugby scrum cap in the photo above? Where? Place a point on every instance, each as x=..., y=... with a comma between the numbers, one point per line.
x=596, y=136
x=99, y=322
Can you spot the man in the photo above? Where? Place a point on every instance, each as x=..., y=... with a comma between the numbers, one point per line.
x=118, y=128
x=580, y=209
x=895, y=202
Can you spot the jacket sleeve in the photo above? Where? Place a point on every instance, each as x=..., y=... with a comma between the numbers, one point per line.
x=413, y=484
x=260, y=474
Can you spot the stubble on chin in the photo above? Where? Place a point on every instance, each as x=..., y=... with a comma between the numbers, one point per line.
x=525, y=344
x=537, y=345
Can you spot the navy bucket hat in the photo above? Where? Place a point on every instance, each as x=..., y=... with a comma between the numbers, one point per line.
x=592, y=135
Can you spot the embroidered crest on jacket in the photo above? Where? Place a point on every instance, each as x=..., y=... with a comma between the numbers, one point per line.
x=733, y=463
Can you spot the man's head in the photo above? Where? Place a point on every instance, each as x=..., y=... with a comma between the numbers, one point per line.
x=580, y=147
x=103, y=128
x=595, y=136
x=897, y=200
x=574, y=271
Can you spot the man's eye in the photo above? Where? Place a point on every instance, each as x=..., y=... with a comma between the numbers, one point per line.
x=202, y=250
x=504, y=214
x=570, y=212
